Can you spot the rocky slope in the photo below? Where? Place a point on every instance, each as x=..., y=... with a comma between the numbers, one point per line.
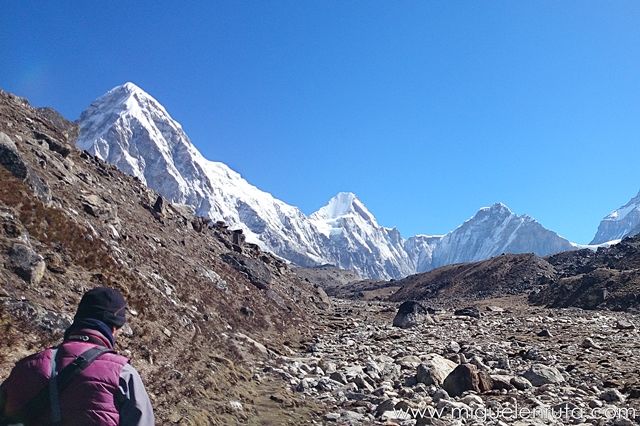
x=510, y=274
x=328, y=277
x=203, y=306
x=514, y=365
x=620, y=223
x=129, y=128
x=608, y=278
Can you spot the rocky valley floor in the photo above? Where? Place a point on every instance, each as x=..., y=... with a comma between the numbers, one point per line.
x=520, y=364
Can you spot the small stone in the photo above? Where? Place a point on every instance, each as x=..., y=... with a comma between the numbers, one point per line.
x=588, y=343
x=236, y=405
x=386, y=405
x=594, y=403
x=520, y=383
x=362, y=383
x=409, y=361
x=453, y=347
x=544, y=333
x=434, y=370
x=472, y=399
x=501, y=382
x=28, y=264
x=612, y=395
x=339, y=377
x=470, y=311
x=332, y=417
x=625, y=325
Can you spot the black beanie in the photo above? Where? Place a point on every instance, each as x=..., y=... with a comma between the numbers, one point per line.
x=104, y=304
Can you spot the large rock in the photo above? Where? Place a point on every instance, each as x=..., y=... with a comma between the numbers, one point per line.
x=10, y=158
x=411, y=314
x=540, y=374
x=28, y=264
x=470, y=311
x=466, y=377
x=256, y=271
x=434, y=370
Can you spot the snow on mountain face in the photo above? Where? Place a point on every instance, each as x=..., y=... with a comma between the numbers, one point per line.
x=129, y=128
x=495, y=230
x=620, y=223
x=357, y=242
x=420, y=248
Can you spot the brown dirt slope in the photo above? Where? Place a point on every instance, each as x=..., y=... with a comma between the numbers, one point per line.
x=502, y=275
x=69, y=221
x=606, y=279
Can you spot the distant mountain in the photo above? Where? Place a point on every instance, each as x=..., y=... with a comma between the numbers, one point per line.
x=420, y=248
x=620, y=223
x=129, y=128
x=495, y=230
x=357, y=242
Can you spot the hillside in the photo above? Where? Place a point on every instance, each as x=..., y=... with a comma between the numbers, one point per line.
x=509, y=274
x=608, y=278
x=202, y=309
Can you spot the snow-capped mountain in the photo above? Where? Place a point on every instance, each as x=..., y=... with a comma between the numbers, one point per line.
x=492, y=231
x=357, y=242
x=420, y=248
x=129, y=128
x=620, y=223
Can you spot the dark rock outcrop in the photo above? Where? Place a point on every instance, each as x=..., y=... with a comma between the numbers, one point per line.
x=411, y=314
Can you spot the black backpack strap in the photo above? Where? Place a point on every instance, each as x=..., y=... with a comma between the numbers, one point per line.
x=48, y=395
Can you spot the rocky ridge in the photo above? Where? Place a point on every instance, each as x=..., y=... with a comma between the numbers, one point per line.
x=129, y=128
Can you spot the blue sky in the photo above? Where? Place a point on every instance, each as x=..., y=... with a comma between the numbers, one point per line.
x=427, y=110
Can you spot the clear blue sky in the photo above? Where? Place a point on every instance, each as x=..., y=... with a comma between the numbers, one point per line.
x=427, y=110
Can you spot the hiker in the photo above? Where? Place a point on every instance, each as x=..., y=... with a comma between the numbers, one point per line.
x=91, y=385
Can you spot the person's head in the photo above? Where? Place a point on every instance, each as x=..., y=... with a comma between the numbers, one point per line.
x=103, y=304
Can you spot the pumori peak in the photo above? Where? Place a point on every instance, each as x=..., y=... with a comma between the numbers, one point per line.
x=345, y=204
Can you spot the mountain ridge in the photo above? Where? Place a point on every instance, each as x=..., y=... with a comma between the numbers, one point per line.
x=129, y=128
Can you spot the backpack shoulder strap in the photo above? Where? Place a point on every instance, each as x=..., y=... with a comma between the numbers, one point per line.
x=48, y=395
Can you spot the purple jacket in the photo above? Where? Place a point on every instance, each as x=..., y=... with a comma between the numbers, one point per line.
x=107, y=392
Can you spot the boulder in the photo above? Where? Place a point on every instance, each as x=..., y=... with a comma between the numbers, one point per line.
x=540, y=374
x=28, y=264
x=466, y=377
x=11, y=159
x=434, y=370
x=470, y=311
x=411, y=314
